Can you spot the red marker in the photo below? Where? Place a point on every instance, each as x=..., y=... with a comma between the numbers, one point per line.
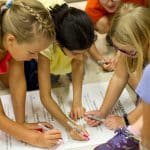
x=78, y=130
x=39, y=129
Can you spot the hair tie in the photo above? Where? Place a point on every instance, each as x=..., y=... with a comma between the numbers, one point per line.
x=7, y=5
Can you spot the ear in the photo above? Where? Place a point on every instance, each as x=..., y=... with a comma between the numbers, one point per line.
x=10, y=41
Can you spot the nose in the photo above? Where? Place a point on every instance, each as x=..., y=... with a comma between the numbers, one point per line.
x=110, y=2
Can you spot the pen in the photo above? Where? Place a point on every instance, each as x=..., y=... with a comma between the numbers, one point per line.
x=44, y=128
x=78, y=130
x=96, y=118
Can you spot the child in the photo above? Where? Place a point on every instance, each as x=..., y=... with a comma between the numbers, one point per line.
x=135, y=130
x=143, y=92
x=134, y=47
x=26, y=28
x=74, y=35
x=101, y=13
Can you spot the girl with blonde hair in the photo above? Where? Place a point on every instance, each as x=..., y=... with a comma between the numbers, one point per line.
x=129, y=34
x=26, y=28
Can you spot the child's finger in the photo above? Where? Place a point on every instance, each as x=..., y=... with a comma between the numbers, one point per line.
x=81, y=112
x=47, y=124
x=93, y=123
x=72, y=115
x=79, y=135
x=75, y=115
x=53, y=131
x=54, y=137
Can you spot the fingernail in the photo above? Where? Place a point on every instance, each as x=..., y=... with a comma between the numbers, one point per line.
x=86, y=138
x=60, y=141
x=85, y=135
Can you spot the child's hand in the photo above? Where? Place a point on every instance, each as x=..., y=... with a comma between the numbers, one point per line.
x=110, y=64
x=45, y=139
x=90, y=121
x=83, y=136
x=113, y=122
x=77, y=112
x=34, y=126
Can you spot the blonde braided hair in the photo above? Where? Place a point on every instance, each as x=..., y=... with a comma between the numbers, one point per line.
x=45, y=24
x=27, y=20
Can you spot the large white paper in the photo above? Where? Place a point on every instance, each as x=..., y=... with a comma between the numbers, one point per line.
x=92, y=97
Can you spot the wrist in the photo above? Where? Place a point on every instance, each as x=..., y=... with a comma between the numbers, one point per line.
x=103, y=113
x=100, y=62
x=125, y=117
x=68, y=127
x=76, y=102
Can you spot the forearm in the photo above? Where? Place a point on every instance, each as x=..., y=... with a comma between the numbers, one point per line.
x=115, y=87
x=18, y=100
x=77, y=80
x=17, y=86
x=136, y=113
x=146, y=125
x=96, y=55
x=113, y=92
x=13, y=128
x=53, y=108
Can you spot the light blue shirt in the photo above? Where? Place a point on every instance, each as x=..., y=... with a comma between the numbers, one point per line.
x=143, y=88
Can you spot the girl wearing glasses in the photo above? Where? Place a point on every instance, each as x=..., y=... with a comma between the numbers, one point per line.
x=101, y=13
x=129, y=34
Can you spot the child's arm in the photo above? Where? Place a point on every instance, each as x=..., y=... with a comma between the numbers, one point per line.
x=94, y=53
x=17, y=85
x=114, y=121
x=77, y=110
x=146, y=125
x=108, y=64
x=115, y=87
x=103, y=24
x=46, y=98
x=32, y=137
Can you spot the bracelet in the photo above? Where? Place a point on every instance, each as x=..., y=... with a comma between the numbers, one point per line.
x=125, y=117
x=101, y=62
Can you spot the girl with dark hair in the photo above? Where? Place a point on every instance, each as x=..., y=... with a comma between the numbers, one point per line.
x=74, y=37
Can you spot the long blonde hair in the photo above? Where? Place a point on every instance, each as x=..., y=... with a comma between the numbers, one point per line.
x=131, y=26
x=26, y=19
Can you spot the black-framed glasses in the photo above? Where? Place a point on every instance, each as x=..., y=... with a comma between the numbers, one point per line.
x=131, y=53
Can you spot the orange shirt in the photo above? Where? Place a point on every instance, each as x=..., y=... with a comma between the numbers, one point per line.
x=95, y=10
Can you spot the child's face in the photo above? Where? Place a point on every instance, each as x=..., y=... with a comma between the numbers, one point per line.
x=110, y=5
x=27, y=51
